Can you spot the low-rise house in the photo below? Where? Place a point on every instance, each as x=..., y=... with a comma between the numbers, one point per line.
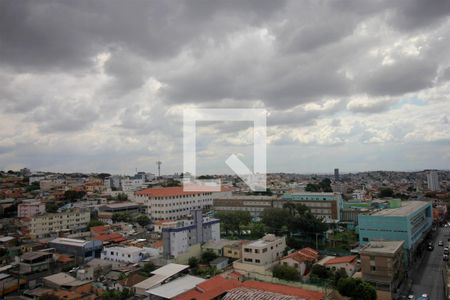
x=63, y=281
x=94, y=269
x=34, y=262
x=219, y=263
x=234, y=250
x=128, y=254
x=129, y=281
x=218, y=246
x=259, y=256
x=346, y=263
x=302, y=260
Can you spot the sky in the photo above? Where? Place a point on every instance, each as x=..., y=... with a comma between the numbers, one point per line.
x=101, y=86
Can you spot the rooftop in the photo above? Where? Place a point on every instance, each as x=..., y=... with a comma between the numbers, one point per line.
x=407, y=208
x=170, y=269
x=70, y=242
x=341, y=260
x=164, y=192
x=176, y=287
x=382, y=247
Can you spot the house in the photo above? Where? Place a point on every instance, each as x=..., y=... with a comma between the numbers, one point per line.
x=259, y=256
x=219, y=263
x=347, y=263
x=34, y=262
x=302, y=260
x=129, y=282
x=128, y=254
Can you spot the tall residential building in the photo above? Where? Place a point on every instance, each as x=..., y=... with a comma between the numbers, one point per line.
x=199, y=230
x=433, y=181
x=172, y=203
x=410, y=222
x=336, y=174
x=51, y=224
x=322, y=205
x=30, y=209
x=382, y=266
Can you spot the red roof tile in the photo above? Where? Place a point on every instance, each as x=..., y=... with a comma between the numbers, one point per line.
x=341, y=260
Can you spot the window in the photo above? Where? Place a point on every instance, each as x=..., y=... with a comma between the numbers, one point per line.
x=248, y=250
x=373, y=268
x=257, y=261
x=365, y=239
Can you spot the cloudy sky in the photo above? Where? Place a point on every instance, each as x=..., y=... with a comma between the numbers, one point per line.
x=102, y=85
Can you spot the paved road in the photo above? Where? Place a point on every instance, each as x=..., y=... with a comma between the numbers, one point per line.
x=427, y=277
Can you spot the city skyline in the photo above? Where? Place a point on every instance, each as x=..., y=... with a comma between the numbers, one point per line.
x=102, y=88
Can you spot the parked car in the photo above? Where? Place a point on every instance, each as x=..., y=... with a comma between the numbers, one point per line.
x=446, y=250
x=445, y=257
x=441, y=243
x=430, y=248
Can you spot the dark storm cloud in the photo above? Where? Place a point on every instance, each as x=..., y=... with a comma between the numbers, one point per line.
x=118, y=74
x=66, y=34
x=405, y=76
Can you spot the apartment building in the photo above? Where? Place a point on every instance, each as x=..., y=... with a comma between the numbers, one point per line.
x=30, y=209
x=408, y=221
x=255, y=205
x=172, y=203
x=51, y=224
x=382, y=266
x=264, y=251
x=322, y=205
x=179, y=239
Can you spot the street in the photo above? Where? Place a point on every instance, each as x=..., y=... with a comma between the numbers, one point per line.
x=427, y=277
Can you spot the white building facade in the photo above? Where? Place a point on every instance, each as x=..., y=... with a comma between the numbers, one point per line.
x=127, y=254
x=172, y=203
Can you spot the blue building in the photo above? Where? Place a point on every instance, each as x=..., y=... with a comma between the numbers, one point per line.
x=411, y=221
x=327, y=206
x=82, y=250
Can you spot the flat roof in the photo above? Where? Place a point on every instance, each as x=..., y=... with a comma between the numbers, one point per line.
x=34, y=255
x=176, y=287
x=151, y=282
x=386, y=247
x=71, y=242
x=406, y=208
x=121, y=204
x=170, y=269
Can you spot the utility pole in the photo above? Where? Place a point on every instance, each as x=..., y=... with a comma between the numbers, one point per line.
x=317, y=241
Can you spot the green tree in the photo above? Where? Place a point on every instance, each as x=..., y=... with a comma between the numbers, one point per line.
x=311, y=187
x=95, y=222
x=143, y=220
x=73, y=196
x=147, y=269
x=193, y=262
x=121, y=217
x=233, y=220
x=117, y=295
x=275, y=219
x=208, y=256
x=385, y=192
x=356, y=289
x=286, y=272
x=321, y=272
x=122, y=197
